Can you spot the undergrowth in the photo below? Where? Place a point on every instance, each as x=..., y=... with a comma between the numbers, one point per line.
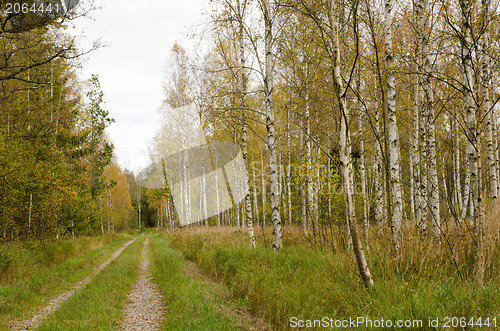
x=188, y=306
x=19, y=260
x=428, y=280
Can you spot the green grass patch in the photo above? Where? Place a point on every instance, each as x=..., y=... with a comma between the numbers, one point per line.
x=99, y=305
x=308, y=283
x=21, y=260
x=188, y=308
x=19, y=298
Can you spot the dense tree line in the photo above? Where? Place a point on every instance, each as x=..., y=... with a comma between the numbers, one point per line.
x=57, y=177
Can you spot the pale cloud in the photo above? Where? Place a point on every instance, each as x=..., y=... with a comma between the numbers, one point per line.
x=139, y=35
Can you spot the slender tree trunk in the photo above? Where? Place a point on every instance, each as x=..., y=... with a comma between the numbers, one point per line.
x=138, y=204
x=415, y=157
x=456, y=170
x=288, y=181
x=467, y=183
x=29, y=214
x=468, y=86
x=329, y=185
x=427, y=106
x=255, y=201
x=424, y=170
x=362, y=171
x=479, y=265
x=495, y=147
x=271, y=130
x=345, y=151
x=302, y=185
x=397, y=201
x=485, y=86
x=379, y=178
x=217, y=197
x=243, y=105
x=308, y=159
x=100, y=214
x=264, y=192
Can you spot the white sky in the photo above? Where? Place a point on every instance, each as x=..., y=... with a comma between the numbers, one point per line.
x=131, y=69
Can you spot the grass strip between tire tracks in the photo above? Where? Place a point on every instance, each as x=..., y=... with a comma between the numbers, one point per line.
x=98, y=306
x=188, y=308
x=21, y=298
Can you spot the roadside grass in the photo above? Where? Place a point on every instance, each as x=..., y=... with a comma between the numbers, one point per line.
x=307, y=283
x=21, y=260
x=99, y=305
x=19, y=298
x=188, y=307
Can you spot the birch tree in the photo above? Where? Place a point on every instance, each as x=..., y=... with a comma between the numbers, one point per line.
x=243, y=105
x=271, y=130
x=345, y=146
x=395, y=174
x=427, y=109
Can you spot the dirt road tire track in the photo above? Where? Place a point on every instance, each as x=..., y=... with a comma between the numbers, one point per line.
x=144, y=308
x=43, y=312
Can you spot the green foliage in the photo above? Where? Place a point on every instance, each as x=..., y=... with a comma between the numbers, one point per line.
x=52, y=152
x=99, y=150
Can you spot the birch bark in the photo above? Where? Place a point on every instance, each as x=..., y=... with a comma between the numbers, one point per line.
x=468, y=88
x=397, y=201
x=243, y=105
x=271, y=130
x=345, y=151
x=427, y=107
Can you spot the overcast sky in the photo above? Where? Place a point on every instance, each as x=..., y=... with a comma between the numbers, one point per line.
x=131, y=69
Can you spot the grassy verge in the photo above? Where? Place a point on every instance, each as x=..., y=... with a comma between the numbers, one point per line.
x=188, y=306
x=21, y=260
x=17, y=299
x=308, y=283
x=99, y=305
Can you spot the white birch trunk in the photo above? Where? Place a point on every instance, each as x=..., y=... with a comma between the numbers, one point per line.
x=264, y=193
x=485, y=86
x=243, y=105
x=456, y=170
x=424, y=170
x=329, y=186
x=379, y=178
x=362, y=170
x=468, y=87
x=307, y=137
x=415, y=157
x=302, y=185
x=466, y=192
x=395, y=171
x=345, y=151
x=217, y=197
x=496, y=149
x=255, y=201
x=204, y=194
x=288, y=181
x=271, y=130
x=427, y=106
